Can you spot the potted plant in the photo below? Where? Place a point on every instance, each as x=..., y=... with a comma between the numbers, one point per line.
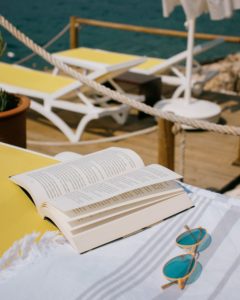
x=12, y=115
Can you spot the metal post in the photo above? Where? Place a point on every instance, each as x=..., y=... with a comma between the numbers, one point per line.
x=190, y=44
x=165, y=144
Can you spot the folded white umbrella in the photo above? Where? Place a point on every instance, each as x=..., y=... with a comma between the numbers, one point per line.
x=217, y=9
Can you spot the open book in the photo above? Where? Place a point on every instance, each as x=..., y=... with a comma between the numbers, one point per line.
x=103, y=196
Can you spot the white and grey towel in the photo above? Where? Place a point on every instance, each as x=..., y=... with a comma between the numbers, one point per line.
x=131, y=268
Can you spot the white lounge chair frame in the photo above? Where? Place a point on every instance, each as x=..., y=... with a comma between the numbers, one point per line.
x=178, y=80
x=86, y=107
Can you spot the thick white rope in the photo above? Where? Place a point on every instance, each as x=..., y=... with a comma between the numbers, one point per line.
x=98, y=141
x=49, y=43
x=233, y=130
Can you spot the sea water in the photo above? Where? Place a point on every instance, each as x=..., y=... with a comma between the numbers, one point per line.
x=42, y=20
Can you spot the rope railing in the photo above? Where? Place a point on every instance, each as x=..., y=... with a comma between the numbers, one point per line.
x=45, y=46
x=233, y=130
x=151, y=30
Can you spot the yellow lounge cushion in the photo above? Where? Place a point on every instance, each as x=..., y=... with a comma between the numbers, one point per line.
x=108, y=57
x=97, y=56
x=32, y=79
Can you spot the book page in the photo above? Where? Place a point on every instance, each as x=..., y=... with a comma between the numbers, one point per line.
x=119, y=212
x=127, y=202
x=50, y=182
x=67, y=156
x=128, y=198
x=142, y=215
x=96, y=193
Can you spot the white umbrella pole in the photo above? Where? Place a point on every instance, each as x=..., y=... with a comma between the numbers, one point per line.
x=189, y=65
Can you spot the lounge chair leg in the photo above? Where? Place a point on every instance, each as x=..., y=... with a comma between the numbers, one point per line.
x=82, y=125
x=179, y=90
x=57, y=121
x=121, y=117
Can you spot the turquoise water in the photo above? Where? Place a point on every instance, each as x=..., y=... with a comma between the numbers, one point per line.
x=41, y=20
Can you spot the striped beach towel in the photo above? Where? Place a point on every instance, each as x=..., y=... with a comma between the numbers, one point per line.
x=131, y=268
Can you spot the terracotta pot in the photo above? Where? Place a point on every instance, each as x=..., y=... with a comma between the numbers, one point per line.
x=13, y=123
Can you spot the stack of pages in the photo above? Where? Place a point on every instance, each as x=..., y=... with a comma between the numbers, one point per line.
x=104, y=196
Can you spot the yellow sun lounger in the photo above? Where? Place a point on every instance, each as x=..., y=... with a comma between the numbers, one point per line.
x=52, y=89
x=96, y=59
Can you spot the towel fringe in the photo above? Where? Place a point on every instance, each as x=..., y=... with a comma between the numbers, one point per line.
x=28, y=250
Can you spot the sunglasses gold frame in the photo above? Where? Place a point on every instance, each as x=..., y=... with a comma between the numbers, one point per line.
x=193, y=252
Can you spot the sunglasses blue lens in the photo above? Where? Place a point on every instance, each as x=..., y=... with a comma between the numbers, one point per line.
x=191, y=237
x=179, y=266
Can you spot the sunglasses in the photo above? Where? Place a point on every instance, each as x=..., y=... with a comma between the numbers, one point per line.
x=178, y=269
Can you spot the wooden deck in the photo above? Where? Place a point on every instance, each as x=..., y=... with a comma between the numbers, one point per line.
x=205, y=162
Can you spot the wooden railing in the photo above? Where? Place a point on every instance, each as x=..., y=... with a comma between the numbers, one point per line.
x=76, y=23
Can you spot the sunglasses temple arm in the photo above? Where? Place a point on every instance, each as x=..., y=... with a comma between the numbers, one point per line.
x=169, y=284
x=187, y=227
x=190, y=231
